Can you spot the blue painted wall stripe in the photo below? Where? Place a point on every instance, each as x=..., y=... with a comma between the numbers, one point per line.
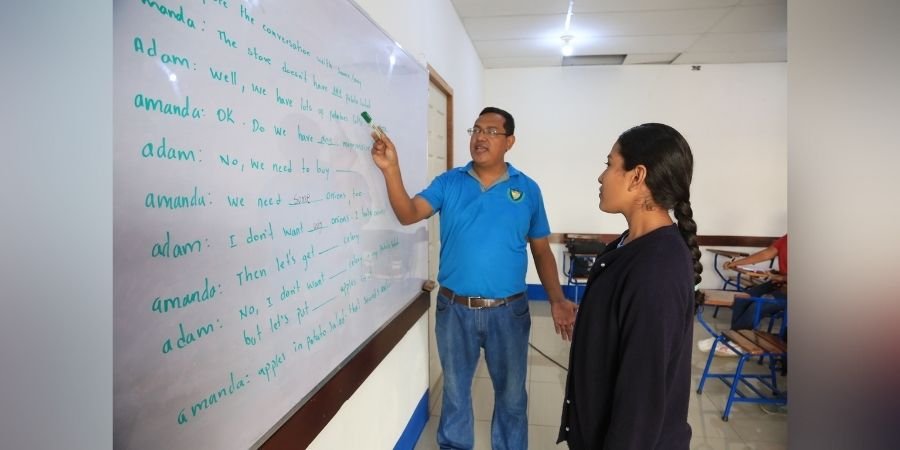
x=416, y=425
x=537, y=292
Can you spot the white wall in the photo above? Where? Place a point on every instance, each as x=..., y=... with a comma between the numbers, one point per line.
x=376, y=415
x=734, y=116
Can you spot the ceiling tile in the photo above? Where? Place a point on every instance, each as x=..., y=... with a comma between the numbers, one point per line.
x=650, y=58
x=544, y=61
x=517, y=48
x=647, y=23
x=739, y=42
x=763, y=2
x=647, y=5
x=514, y=27
x=624, y=45
x=586, y=46
x=479, y=8
x=744, y=19
x=731, y=57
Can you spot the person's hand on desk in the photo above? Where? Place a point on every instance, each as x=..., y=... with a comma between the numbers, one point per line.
x=750, y=270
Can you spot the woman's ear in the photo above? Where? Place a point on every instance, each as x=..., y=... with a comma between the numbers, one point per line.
x=638, y=176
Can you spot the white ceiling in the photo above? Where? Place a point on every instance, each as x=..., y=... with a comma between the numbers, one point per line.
x=526, y=33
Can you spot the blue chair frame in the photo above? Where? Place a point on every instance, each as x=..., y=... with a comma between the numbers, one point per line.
x=762, y=344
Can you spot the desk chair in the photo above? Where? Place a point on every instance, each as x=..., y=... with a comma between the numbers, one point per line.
x=757, y=388
x=717, y=298
x=728, y=284
x=739, y=282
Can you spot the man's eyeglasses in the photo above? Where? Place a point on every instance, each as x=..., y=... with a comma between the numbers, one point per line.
x=490, y=132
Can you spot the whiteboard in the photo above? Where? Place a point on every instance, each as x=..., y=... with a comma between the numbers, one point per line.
x=254, y=247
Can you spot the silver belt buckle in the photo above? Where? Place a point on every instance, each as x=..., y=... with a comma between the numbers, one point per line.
x=469, y=302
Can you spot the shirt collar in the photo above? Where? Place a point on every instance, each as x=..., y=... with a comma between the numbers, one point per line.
x=510, y=170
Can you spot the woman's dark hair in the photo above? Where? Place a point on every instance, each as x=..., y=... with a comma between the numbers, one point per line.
x=509, y=124
x=670, y=166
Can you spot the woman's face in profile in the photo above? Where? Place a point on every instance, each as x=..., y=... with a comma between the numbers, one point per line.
x=613, y=182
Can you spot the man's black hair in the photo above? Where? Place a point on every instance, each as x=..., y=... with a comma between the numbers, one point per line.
x=509, y=124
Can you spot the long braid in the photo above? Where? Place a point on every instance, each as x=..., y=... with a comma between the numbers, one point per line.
x=670, y=167
x=688, y=228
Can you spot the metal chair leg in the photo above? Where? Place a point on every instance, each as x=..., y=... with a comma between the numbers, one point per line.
x=709, y=360
x=734, y=387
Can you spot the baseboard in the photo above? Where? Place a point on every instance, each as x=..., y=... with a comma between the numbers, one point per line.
x=416, y=425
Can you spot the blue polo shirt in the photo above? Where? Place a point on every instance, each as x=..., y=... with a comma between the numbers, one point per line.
x=484, y=232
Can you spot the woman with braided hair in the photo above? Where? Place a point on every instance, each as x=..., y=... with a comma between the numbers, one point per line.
x=629, y=376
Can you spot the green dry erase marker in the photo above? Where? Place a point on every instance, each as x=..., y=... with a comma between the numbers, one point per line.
x=365, y=115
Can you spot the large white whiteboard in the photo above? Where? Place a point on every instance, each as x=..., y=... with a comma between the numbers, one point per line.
x=254, y=247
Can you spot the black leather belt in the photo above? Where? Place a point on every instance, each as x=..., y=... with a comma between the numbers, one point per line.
x=479, y=302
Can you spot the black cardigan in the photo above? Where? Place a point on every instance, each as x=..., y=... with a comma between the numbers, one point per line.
x=628, y=385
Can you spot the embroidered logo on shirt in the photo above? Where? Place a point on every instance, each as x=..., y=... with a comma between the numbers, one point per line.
x=516, y=195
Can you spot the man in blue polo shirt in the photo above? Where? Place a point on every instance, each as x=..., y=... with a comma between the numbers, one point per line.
x=489, y=211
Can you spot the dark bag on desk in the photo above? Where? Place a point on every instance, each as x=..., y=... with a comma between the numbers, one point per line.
x=585, y=247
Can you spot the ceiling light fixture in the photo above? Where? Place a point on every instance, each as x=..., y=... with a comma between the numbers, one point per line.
x=567, y=49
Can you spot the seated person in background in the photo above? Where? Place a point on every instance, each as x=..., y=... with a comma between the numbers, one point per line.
x=742, y=312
